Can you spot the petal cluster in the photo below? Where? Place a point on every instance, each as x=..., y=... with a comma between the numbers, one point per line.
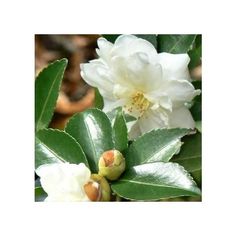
x=153, y=87
x=64, y=182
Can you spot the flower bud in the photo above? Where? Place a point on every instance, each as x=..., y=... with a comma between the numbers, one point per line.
x=93, y=191
x=111, y=164
x=105, y=190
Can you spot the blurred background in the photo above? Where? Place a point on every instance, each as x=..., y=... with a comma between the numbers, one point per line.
x=75, y=94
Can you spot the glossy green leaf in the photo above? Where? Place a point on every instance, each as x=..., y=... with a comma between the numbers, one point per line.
x=111, y=37
x=39, y=193
x=190, y=154
x=98, y=100
x=55, y=146
x=120, y=132
x=92, y=129
x=112, y=115
x=152, y=38
x=155, y=181
x=175, y=43
x=157, y=145
x=47, y=87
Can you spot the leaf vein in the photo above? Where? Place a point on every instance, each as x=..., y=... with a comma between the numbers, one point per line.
x=145, y=183
x=188, y=158
x=53, y=152
x=47, y=98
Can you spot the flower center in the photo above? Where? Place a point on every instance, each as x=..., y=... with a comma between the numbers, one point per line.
x=139, y=103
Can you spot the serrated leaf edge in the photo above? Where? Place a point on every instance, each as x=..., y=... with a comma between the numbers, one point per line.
x=146, y=200
x=189, y=48
x=62, y=131
x=186, y=173
x=158, y=130
x=84, y=112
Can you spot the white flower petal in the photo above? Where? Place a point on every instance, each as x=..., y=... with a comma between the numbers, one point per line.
x=97, y=75
x=179, y=91
x=174, y=65
x=166, y=103
x=104, y=49
x=159, y=99
x=135, y=72
x=110, y=104
x=121, y=91
x=64, y=181
x=133, y=130
x=50, y=176
x=181, y=118
x=149, y=86
x=125, y=39
x=153, y=120
x=126, y=45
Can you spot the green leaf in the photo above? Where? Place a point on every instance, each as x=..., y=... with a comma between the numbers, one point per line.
x=92, y=129
x=111, y=37
x=196, y=109
x=112, y=114
x=198, y=125
x=39, y=193
x=47, y=87
x=129, y=118
x=120, y=132
x=98, y=100
x=197, y=176
x=195, y=57
x=198, y=41
x=195, y=53
x=197, y=84
x=178, y=43
x=155, y=181
x=152, y=38
x=190, y=154
x=55, y=146
x=157, y=145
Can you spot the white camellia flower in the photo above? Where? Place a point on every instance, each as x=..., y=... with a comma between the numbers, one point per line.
x=64, y=182
x=153, y=87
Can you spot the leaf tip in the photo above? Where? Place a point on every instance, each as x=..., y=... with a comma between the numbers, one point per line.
x=64, y=61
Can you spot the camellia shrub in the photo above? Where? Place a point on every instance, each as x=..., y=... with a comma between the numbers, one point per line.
x=141, y=141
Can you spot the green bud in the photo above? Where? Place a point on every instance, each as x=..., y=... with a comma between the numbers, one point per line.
x=111, y=164
x=105, y=190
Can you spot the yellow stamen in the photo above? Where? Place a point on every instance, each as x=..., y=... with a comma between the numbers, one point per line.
x=139, y=102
